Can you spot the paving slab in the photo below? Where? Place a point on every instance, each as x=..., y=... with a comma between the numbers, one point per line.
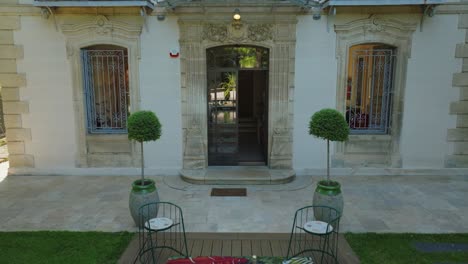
x=415, y=204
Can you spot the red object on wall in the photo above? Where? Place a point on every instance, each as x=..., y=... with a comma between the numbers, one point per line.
x=174, y=53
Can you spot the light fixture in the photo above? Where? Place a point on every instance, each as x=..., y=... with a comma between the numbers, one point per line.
x=236, y=16
x=160, y=16
x=236, y=19
x=316, y=12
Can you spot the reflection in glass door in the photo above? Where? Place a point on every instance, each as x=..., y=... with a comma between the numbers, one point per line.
x=223, y=136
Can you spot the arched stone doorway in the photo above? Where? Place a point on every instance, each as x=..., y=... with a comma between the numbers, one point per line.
x=199, y=33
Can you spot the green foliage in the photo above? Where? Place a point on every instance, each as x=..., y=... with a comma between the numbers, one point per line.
x=329, y=124
x=398, y=248
x=229, y=85
x=50, y=247
x=248, y=57
x=143, y=126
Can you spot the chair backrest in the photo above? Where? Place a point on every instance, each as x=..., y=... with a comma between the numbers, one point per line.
x=315, y=232
x=172, y=235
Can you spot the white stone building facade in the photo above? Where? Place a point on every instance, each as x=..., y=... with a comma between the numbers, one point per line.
x=310, y=65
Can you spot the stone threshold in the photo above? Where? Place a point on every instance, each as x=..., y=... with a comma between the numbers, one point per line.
x=238, y=175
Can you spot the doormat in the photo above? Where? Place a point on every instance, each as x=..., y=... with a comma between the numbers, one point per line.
x=228, y=192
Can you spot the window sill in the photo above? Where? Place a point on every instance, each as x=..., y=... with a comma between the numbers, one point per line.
x=370, y=137
x=108, y=143
x=107, y=137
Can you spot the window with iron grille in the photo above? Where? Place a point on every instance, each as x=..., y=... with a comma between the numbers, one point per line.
x=105, y=78
x=369, y=88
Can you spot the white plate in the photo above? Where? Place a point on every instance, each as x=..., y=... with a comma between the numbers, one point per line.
x=317, y=227
x=159, y=223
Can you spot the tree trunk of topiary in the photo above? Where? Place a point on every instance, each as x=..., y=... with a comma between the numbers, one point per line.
x=142, y=165
x=328, y=161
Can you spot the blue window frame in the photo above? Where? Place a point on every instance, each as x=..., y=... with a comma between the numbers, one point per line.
x=369, y=88
x=106, y=88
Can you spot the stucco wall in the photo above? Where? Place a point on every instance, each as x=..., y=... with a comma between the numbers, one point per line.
x=49, y=93
x=429, y=93
x=315, y=88
x=160, y=92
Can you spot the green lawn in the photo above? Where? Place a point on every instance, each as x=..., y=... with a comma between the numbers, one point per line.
x=396, y=248
x=62, y=247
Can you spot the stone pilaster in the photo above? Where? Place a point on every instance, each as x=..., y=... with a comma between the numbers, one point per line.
x=280, y=91
x=11, y=83
x=459, y=134
x=194, y=101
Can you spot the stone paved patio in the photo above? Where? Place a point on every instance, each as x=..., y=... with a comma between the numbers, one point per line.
x=372, y=204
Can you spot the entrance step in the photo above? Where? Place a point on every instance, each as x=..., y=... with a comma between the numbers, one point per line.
x=238, y=175
x=251, y=163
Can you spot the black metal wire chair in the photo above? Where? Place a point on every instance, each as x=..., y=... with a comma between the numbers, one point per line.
x=161, y=229
x=315, y=234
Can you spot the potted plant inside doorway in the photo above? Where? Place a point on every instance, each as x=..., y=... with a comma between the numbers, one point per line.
x=331, y=125
x=143, y=126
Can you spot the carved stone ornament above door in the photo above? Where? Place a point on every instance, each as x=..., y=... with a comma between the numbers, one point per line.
x=232, y=33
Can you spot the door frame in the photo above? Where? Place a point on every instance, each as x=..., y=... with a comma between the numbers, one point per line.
x=212, y=70
x=199, y=32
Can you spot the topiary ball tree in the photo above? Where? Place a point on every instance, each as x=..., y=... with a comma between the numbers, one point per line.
x=331, y=125
x=143, y=126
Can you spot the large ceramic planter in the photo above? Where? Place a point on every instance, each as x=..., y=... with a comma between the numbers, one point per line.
x=142, y=194
x=328, y=194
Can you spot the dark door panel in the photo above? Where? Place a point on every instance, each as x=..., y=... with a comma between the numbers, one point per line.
x=223, y=136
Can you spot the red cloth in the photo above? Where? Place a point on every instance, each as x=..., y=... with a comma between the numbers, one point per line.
x=209, y=260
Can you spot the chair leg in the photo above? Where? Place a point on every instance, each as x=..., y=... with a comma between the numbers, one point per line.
x=325, y=242
x=336, y=248
x=152, y=247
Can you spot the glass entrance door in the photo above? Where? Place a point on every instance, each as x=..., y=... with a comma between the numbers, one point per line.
x=237, y=104
x=223, y=131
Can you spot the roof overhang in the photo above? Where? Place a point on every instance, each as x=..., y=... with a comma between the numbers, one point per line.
x=94, y=3
x=384, y=2
x=174, y=3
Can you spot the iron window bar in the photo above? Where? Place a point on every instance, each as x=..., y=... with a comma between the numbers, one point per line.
x=106, y=90
x=369, y=91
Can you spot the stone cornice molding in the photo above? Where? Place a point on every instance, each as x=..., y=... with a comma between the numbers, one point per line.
x=102, y=30
x=376, y=24
x=374, y=29
x=102, y=25
x=25, y=9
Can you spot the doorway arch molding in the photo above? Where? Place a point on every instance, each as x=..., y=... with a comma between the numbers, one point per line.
x=199, y=33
